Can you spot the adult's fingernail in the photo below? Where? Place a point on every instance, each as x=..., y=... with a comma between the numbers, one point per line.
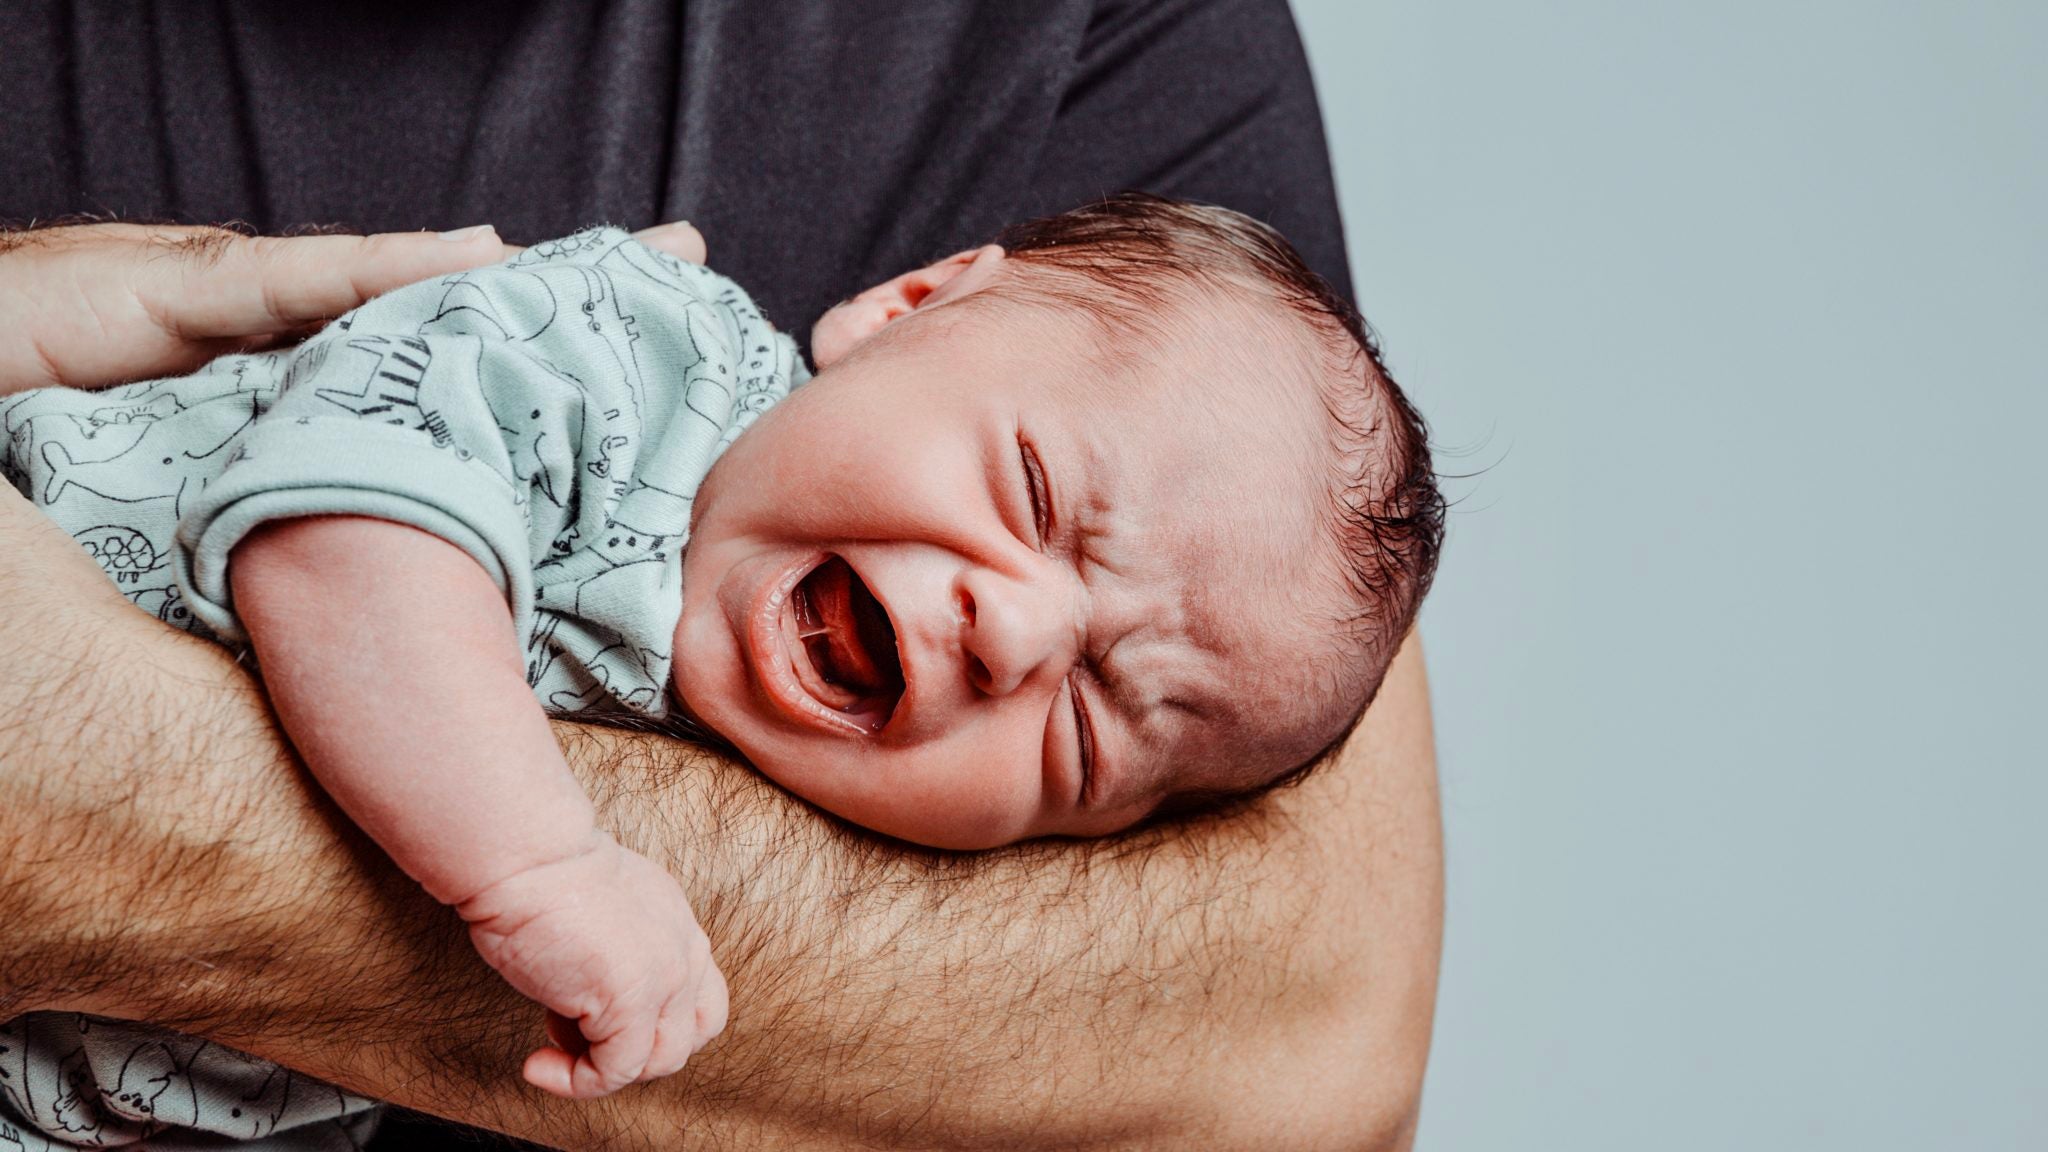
x=469, y=233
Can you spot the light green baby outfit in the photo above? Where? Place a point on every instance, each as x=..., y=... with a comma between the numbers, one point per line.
x=552, y=416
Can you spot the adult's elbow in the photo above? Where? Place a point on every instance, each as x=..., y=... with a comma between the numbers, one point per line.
x=1332, y=1054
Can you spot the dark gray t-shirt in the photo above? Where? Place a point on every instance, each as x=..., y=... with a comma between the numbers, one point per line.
x=821, y=148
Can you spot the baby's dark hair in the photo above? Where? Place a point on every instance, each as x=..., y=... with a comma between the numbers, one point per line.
x=1117, y=259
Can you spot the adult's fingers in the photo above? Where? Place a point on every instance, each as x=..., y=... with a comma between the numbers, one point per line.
x=679, y=239
x=230, y=286
x=97, y=304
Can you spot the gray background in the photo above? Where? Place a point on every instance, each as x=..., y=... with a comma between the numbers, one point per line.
x=1737, y=310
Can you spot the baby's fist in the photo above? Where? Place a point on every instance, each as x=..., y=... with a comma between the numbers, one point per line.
x=606, y=942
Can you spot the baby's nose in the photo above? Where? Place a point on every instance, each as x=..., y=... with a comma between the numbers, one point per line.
x=1015, y=631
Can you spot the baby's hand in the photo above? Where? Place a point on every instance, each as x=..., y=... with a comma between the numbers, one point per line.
x=606, y=942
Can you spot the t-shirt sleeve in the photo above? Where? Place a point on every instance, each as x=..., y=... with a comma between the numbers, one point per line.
x=396, y=427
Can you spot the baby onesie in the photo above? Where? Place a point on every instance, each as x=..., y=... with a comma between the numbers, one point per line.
x=552, y=416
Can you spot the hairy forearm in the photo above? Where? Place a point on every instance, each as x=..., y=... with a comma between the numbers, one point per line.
x=157, y=844
x=1220, y=981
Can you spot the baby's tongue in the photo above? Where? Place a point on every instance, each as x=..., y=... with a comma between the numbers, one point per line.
x=857, y=649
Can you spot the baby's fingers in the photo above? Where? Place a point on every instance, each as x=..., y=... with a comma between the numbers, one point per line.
x=566, y=1035
x=713, y=1005
x=578, y=1068
x=614, y=1061
x=676, y=1035
x=551, y=1070
x=584, y=1077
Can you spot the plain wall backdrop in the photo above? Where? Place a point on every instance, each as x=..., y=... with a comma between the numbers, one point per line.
x=1740, y=312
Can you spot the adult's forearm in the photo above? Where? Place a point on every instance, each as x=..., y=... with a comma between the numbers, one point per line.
x=1229, y=981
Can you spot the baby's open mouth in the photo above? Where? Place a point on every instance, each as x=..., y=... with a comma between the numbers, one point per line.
x=850, y=663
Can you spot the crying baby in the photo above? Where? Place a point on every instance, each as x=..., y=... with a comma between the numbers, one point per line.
x=1115, y=516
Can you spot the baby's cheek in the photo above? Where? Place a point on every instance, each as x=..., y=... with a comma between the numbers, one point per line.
x=964, y=797
x=939, y=798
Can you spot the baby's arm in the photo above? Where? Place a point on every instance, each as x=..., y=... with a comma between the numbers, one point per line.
x=391, y=659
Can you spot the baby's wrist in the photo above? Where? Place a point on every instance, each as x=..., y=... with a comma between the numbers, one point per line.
x=515, y=887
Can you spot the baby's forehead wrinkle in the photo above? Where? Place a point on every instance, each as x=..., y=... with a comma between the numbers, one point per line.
x=1149, y=648
x=1192, y=512
x=1209, y=688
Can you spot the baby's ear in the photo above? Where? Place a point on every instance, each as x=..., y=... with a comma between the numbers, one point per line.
x=842, y=329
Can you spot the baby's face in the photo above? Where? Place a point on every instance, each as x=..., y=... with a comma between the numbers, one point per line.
x=967, y=588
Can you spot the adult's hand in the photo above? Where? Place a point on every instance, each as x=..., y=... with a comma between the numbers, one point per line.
x=90, y=305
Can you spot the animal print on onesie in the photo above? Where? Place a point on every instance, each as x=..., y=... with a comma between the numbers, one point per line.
x=552, y=416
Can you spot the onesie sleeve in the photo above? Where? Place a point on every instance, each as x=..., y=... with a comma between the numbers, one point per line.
x=518, y=411
x=370, y=424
